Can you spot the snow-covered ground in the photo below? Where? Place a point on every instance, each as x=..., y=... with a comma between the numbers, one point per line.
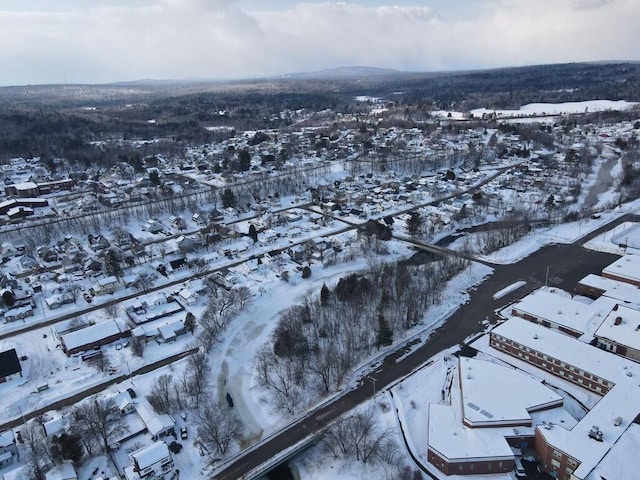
x=537, y=109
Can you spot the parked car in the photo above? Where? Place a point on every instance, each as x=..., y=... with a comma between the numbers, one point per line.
x=183, y=433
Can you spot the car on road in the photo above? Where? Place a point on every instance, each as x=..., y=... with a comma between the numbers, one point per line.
x=183, y=433
x=87, y=296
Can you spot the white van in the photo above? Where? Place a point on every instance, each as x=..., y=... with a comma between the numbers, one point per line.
x=519, y=469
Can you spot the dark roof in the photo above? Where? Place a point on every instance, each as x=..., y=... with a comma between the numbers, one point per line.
x=9, y=363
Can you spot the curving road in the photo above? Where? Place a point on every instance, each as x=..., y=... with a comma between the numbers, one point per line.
x=566, y=264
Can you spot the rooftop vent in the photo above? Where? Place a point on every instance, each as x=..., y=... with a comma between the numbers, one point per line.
x=595, y=433
x=617, y=321
x=535, y=335
x=618, y=421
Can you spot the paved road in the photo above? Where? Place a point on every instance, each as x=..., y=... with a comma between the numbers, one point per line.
x=566, y=264
x=72, y=400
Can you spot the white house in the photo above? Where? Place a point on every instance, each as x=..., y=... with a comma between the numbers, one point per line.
x=105, y=285
x=158, y=426
x=64, y=471
x=151, y=462
x=8, y=449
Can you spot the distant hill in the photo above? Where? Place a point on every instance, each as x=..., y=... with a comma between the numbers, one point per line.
x=345, y=72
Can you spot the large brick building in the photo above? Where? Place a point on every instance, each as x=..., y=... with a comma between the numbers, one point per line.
x=574, y=453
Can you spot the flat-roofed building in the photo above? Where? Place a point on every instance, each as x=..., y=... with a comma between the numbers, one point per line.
x=574, y=453
x=625, y=269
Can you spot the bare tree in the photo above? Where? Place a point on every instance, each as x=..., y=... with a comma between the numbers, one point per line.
x=99, y=419
x=357, y=436
x=243, y=295
x=217, y=427
x=74, y=290
x=145, y=280
x=197, y=373
x=36, y=444
x=111, y=309
x=137, y=346
x=161, y=396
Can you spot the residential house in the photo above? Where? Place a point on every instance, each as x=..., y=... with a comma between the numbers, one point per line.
x=188, y=296
x=8, y=449
x=59, y=299
x=107, y=285
x=17, y=213
x=64, y=471
x=124, y=403
x=153, y=226
x=18, y=313
x=94, y=336
x=150, y=463
x=158, y=426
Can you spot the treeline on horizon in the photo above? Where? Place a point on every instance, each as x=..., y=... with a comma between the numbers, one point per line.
x=63, y=121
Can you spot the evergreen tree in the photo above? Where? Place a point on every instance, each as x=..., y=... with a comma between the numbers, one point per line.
x=190, y=322
x=385, y=334
x=228, y=198
x=325, y=293
x=244, y=160
x=414, y=223
x=253, y=233
x=112, y=265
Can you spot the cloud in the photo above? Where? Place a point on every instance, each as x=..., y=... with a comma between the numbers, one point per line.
x=218, y=39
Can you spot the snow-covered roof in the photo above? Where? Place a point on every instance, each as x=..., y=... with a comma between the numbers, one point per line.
x=556, y=308
x=616, y=463
x=520, y=394
x=627, y=267
x=451, y=439
x=64, y=471
x=573, y=352
x=622, y=326
x=55, y=426
x=122, y=399
x=147, y=456
x=6, y=438
x=91, y=334
x=103, y=282
x=155, y=423
x=160, y=424
x=74, y=323
x=619, y=403
x=25, y=186
x=613, y=288
x=186, y=293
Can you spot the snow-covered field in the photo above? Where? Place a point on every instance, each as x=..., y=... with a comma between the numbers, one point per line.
x=537, y=109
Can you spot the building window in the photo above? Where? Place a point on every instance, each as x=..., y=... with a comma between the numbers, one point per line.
x=555, y=463
x=556, y=454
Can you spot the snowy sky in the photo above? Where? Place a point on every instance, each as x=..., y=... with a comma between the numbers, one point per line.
x=80, y=41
